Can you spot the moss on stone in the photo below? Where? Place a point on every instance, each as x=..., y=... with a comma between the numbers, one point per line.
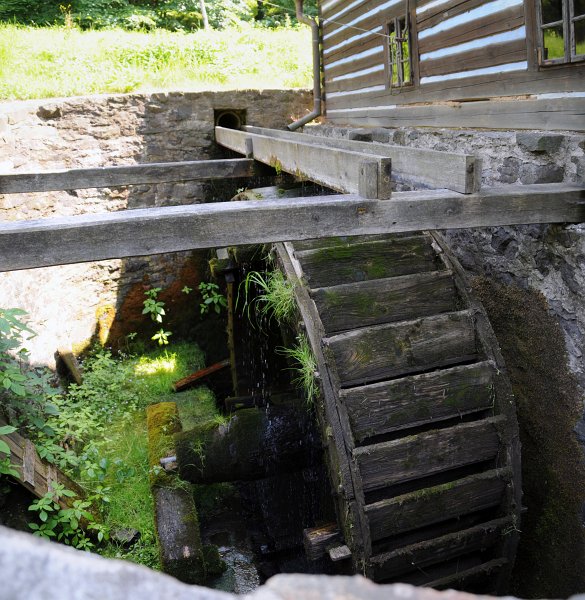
x=552, y=542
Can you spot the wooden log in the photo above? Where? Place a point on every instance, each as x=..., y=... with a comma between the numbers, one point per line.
x=382, y=351
x=66, y=240
x=317, y=540
x=336, y=265
x=70, y=361
x=436, y=504
x=431, y=452
x=421, y=166
x=200, y=375
x=347, y=306
x=337, y=169
x=255, y=443
x=421, y=555
x=178, y=535
x=73, y=179
x=418, y=399
x=330, y=242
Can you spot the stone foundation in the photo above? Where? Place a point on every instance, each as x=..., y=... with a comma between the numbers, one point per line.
x=70, y=304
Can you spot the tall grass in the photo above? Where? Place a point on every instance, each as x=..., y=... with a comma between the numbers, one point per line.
x=49, y=62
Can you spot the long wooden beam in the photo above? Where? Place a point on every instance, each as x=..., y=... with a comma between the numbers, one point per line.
x=420, y=166
x=73, y=179
x=345, y=171
x=56, y=241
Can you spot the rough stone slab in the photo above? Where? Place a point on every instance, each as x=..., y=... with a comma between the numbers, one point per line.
x=539, y=142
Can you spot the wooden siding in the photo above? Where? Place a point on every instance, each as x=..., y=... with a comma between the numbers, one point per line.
x=463, y=50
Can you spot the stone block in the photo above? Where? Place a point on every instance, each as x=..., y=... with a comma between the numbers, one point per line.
x=510, y=170
x=539, y=142
x=381, y=135
x=549, y=173
x=579, y=161
x=49, y=111
x=360, y=135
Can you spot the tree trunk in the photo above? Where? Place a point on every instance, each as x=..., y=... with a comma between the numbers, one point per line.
x=204, y=14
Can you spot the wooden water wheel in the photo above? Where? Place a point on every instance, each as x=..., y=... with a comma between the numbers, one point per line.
x=416, y=411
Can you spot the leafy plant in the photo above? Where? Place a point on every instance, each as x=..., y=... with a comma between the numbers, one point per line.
x=306, y=370
x=276, y=298
x=155, y=308
x=65, y=524
x=211, y=298
x=5, y=465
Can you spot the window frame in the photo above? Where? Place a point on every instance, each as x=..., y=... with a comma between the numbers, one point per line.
x=393, y=49
x=567, y=22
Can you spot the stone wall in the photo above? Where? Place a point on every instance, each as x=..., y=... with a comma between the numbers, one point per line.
x=67, y=303
x=34, y=569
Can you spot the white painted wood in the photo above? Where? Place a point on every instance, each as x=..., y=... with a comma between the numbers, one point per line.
x=44, y=242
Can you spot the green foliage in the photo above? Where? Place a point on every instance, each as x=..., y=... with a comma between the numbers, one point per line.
x=5, y=465
x=65, y=524
x=155, y=308
x=38, y=62
x=211, y=298
x=276, y=297
x=24, y=391
x=302, y=354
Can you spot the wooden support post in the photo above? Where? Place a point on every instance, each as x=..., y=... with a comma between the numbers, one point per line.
x=249, y=145
x=374, y=179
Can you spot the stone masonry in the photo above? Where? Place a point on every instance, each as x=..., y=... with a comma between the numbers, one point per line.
x=66, y=304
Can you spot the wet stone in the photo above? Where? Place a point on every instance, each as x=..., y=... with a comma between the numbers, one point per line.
x=125, y=536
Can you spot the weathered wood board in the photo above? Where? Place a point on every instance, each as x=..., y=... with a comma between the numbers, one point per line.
x=431, y=168
x=387, y=463
x=423, y=554
x=350, y=305
x=73, y=179
x=440, y=503
x=382, y=351
x=36, y=475
x=344, y=171
x=139, y=232
x=368, y=261
x=419, y=399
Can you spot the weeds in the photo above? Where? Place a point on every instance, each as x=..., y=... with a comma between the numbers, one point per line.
x=276, y=299
x=307, y=367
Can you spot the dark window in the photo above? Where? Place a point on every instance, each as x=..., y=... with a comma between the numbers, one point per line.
x=561, y=31
x=399, y=51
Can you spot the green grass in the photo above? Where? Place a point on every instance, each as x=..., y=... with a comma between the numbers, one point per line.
x=305, y=368
x=276, y=297
x=105, y=421
x=49, y=62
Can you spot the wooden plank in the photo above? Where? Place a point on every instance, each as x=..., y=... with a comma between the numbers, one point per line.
x=338, y=169
x=329, y=242
x=421, y=555
x=431, y=168
x=461, y=579
x=352, y=305
x=71, y=363
x=559, y=114
x=419, y=399
x=367, y=261
x=445, y=10
x=439, y=503
x=382, y=351
x=139, y=232
x=338, y=553
x=385, y=464
x=317, y=540
x=35, y=474
x=73, y=179
x=188, y=381
x=487, y=56
x=357, y=64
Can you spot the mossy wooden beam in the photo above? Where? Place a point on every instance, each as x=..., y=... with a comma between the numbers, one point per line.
x=422, y=166
x=140, y=232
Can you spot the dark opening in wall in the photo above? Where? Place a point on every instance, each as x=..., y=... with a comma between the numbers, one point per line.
x=230, y=118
